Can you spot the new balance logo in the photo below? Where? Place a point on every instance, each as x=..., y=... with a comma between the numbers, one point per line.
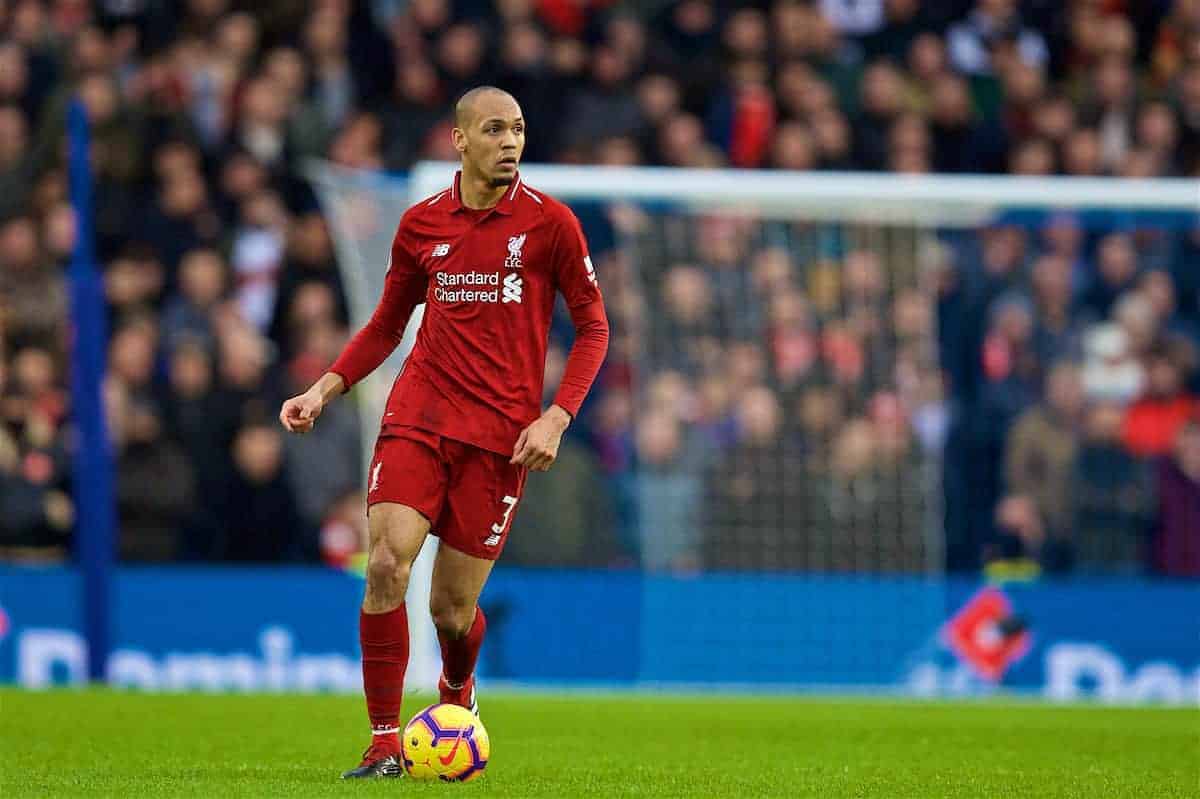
x=491, y=540
x=587, y=264
x=515, y=243
x=375, y=476
x=439, y=250
x=512, y=287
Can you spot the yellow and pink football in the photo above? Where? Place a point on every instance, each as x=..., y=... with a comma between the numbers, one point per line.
x=445, y=742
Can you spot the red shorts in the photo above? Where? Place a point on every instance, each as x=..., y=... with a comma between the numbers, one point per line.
x=469, y=495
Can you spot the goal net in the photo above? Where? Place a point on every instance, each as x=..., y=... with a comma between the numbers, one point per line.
x=810, y=375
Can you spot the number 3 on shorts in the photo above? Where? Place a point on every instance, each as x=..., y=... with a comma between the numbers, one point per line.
x=499, y=527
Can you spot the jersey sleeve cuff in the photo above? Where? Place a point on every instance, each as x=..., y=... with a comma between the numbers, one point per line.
x=572, y=408
x=346, y=381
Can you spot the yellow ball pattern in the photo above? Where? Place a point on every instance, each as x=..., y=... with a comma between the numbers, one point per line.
x=445, y=742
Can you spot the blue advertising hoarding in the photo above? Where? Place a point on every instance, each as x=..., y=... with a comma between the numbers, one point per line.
x=294, y=630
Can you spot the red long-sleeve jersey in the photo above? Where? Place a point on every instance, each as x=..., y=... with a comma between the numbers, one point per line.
x=488, y=280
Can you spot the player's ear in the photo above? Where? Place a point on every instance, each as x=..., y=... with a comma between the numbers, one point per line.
x=459, y=138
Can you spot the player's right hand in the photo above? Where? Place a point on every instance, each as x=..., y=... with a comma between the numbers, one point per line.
x=299, y=414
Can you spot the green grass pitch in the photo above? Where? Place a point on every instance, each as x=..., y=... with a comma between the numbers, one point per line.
x=104, y=743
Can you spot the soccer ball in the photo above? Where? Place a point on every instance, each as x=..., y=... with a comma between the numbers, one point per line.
x=445, y=742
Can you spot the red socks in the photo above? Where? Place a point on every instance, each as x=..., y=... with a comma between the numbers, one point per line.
x=459, y=654
x=384, y=641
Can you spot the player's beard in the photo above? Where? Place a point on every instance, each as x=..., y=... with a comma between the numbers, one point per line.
x=501, y=180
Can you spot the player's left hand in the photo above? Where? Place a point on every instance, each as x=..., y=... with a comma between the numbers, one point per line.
x=537, y=446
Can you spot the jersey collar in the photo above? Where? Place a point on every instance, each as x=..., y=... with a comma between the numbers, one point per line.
x=507, y=200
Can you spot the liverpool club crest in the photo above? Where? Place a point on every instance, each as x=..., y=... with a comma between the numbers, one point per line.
x=515, y=243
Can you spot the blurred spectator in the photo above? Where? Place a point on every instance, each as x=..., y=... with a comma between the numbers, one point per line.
x=1158, y=287
x=326, y=463
x=34, y=291
x=1018, y=536
x=16, y=171
x=131, y=356
x=193, y=418
x=882, y=96
x=1057, y=333
x=1112, y=110
x=417, y=106
x=133, y=283
x=607, y=106
x=1042, y=449
x=151, y=521
x=38, y=514
x=257, y=256
x=668, y=494
x=566, y=515
x=202, y=282
x=333, y=90
x=1153, y=423
x=309, y=261
x=1110, y=372
x=960, y=143
x=1176, y=547
x=905, y=23
x=247, y=384
x=1116, y=273
x=343, y=537
x=991, y=28
x=752, y=490
x=181, y=218
x=260, y=517
x=854, y=17
x=870, y=484
x=1111, y=497
x=1135, y=314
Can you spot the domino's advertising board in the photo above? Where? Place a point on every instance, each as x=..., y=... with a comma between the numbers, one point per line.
x=219, y=629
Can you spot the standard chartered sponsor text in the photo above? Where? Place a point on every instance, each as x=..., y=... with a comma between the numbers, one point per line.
x=445, y=290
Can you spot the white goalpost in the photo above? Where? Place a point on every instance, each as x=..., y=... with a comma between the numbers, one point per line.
x=947, y=200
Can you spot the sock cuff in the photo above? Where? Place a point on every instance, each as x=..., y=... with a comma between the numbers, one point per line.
x=384, y=626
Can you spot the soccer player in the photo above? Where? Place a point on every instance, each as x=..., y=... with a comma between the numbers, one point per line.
x=463, y=424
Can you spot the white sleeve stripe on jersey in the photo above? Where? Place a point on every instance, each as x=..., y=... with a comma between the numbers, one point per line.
x=536, y=199
x=436, y=198
x=513, y=193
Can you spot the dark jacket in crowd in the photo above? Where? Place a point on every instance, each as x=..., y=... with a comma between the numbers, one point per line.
x=1176, y=545
x=1112, y=500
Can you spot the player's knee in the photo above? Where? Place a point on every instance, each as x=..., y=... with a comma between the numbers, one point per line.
x=386, y=572
x=452, y=617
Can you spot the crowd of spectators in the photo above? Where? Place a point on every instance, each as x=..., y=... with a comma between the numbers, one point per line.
x=1071, y=349
x=805, y=387
x=1066, y=347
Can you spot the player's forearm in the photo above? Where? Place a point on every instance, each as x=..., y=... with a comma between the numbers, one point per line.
x=369, y=348
x=328, y=387
x=586, y=357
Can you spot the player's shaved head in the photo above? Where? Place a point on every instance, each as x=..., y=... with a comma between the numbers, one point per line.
x=477, y=100
x=489, y=135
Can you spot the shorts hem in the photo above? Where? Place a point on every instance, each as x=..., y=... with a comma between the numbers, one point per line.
x=385, y=500
x=476, y=553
